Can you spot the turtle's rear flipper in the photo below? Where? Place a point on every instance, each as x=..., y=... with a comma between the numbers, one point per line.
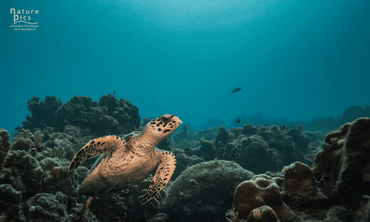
x=95, y=147
x=163, y=174
x=85, y=207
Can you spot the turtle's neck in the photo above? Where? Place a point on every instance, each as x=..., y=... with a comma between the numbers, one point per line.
x=146, y=141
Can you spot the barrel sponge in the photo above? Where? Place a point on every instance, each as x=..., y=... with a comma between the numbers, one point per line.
x=256, y=192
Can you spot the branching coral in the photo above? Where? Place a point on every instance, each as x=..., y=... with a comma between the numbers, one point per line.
x=57, y=152
x=25, y=140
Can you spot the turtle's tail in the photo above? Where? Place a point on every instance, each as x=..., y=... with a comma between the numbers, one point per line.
x=85, y=207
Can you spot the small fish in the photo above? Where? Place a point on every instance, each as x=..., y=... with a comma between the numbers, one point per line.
x=237, y=121
x=236, y=90
x=114, y=92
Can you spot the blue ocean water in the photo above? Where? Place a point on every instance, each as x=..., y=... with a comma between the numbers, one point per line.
x=294, y=59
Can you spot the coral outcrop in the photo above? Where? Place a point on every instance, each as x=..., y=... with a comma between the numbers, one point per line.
x=42, y=113
x=4, y=146
x=258, y=149
x=262, y=149
x=203, y=192
x=262, y=214
x=108, y=116
x=259, y=191
x=183, y=161
x=190, y=139
x=206, y=150
x=10, y=203
x=32, y=180
x=342, y=167
x=300, y=184
x=126, y=205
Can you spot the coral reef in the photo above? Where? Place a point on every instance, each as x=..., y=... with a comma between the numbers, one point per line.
x=4, y=146
x=10, y=203
x=36, y=185
x=318, y=124
x=42, y=113
x=203, y=192
x=206, y=150
x=109, y=116
x=186, y=139
x=212, y=168
x=270, y=147
x=32, y=180
x=47, y=207
x=126, y=205
x=183, y=161
x=260, y=149
x=25, y=140
x=335, y=189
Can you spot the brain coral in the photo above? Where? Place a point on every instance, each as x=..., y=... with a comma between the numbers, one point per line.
x=204, y=191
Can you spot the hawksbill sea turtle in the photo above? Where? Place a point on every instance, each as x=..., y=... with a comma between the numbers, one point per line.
x=124, y=163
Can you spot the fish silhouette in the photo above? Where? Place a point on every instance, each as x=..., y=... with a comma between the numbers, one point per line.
x=237, y=121
x=236, y=90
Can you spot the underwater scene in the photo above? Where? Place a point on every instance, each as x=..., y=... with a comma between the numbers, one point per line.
x=185, y=111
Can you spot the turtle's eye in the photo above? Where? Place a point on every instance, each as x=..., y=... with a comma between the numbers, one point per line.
x=166, y=118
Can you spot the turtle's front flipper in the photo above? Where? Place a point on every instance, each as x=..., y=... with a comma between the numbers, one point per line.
x=95, y=147
x=85, y=207
x=163, y=174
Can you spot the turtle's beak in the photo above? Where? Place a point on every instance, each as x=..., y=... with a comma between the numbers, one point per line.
x=176, y=119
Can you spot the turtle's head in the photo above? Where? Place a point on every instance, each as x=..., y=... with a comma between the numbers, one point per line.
x=162, y=126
